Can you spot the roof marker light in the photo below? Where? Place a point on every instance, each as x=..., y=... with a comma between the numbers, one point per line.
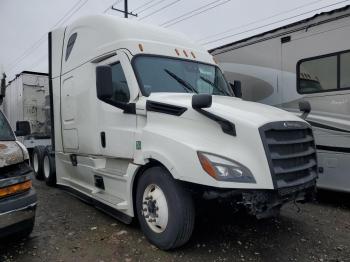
x=185, y=53
x=177, y=51
x=141, y=47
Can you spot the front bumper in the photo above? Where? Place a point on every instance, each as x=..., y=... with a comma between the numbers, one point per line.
x=17, y=209
x=266, y=203
x=261, y=203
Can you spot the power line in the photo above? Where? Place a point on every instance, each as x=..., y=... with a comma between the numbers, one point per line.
x=36, y=63
x=149, y=7
x=188, y=15
x=109, y=7
x=160, y=9
x=174, y=19
x=249, y=30
x=70, y=10
x=260, y=20
x=137, y=8
x=38, y=43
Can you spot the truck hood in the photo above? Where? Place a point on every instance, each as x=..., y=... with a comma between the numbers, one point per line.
x=230, y=108
x=10, y=153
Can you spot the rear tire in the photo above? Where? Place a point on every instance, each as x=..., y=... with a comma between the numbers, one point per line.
x=49, y=167
x=164, y=208
x=37, y=162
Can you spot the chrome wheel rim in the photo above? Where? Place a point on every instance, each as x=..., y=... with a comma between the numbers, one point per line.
x=46, y=167
x=35, y=163
x=155, y=208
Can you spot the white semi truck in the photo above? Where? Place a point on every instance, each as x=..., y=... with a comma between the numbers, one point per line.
x=26, y=103
x=144, y=121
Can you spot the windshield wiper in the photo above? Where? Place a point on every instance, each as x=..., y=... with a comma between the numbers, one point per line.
x=185, y=84
x=214, y=86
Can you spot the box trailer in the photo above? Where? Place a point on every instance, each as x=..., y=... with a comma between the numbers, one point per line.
x=26, y=100
x=305, y=61
x=144, y=122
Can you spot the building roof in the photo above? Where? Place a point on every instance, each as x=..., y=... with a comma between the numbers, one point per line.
x=27, y=73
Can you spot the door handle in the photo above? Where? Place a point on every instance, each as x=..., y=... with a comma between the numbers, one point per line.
x=103, y=139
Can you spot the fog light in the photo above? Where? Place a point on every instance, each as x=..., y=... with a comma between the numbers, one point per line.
x=14, y=189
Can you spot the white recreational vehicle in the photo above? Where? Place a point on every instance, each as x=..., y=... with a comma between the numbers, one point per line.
x=26, y=104
x=144, y=122
x=304, y=61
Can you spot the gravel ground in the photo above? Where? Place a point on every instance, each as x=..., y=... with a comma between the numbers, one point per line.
x=70, y=230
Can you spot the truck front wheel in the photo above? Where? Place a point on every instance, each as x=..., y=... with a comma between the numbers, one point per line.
x=164, y=208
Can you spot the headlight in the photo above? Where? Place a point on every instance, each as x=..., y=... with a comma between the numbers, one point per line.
x=224, y=169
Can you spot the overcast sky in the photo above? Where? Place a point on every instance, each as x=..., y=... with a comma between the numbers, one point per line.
x=24, y=23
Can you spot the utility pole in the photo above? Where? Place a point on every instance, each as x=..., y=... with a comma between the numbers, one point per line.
x=125, y=11
x=126, y=8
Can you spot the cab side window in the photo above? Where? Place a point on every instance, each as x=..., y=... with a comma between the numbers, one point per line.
x=120, y=86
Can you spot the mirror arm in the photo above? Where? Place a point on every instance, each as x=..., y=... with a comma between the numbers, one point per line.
x=128, y=108
x=304, y=115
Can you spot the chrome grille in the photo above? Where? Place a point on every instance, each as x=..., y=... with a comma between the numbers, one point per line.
x=290, y=150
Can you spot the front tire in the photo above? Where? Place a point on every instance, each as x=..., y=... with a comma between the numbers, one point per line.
x=164, y=208
x=27, y=230
x=49, y=167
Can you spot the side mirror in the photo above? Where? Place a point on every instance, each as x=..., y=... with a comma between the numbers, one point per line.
x=22, y=128
x=237, y=88
x=305, y=108
x=201, y=101
x=104, y=84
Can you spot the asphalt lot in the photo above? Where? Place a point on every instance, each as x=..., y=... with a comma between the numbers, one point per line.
x=70, y=230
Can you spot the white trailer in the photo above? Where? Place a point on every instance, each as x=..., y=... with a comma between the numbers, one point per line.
x=26, y=101
x=305, y=61
x=144, y=121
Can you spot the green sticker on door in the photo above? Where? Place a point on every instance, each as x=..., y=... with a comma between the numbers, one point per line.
x=138, y=145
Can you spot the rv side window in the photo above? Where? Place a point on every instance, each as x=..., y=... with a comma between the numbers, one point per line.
x=345, y=70
x=120, y=86
x=70, y=44
x=322, y=74
x=318, y=75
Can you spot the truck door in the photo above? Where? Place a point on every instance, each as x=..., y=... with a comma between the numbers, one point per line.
x=116, y=128
x=69, y=115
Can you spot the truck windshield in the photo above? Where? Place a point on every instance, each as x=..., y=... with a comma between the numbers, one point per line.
x=6, y=133
x=164, y=74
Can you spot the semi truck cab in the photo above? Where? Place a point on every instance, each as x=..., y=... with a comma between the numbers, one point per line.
x=144, y=121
